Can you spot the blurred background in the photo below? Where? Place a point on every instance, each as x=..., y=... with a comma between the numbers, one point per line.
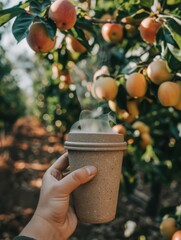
x=42, y=95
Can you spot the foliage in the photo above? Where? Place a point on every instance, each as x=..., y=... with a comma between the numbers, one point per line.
x=12, y=100
x=54, y=100
x=57, y=104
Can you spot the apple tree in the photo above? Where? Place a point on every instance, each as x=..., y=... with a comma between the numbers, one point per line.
x=120, y=56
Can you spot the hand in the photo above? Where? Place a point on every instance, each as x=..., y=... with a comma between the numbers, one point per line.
x=54, y=218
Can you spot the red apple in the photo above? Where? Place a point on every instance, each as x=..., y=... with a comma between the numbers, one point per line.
x=63, y=13
x=38, y=38
x=148, y=29
x=112, y=32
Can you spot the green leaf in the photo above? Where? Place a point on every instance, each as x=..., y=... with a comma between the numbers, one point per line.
x=121, y=97
x=146, y=3
x=173, y=63
x=77, y=32
x=176, y=12
x=62, y=56
x=39, y=6
x=83, y=23
x=80, y=36
x=8, y=14
x=140, y=14
x=173, y=2
x=168, y=37
x=175, y=52
x=128, y=8
x=172, y=39
x=174, y=28
x=50, y=26
x=21, y=25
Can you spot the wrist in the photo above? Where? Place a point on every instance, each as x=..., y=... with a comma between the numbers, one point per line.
x=40, y=229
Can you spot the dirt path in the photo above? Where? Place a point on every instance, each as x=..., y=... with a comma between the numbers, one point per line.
x=25, y=154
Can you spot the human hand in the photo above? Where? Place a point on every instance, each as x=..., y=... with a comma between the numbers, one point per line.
x=54, y=218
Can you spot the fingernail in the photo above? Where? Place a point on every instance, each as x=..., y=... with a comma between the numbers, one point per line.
x=91, y=170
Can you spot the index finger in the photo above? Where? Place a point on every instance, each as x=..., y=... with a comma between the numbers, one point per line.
x=61, y=163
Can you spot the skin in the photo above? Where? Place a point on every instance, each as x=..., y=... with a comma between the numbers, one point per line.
x=54, y=219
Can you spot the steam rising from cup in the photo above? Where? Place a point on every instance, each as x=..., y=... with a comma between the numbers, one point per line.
x=92, y=121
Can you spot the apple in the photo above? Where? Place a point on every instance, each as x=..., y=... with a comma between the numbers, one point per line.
x=112, y=32
x=136, y=85
x=158, y=72
x=148, y=29
x=105, y=88
x=168, y=227
x=113, y=105
x=119, y=128
x=133, y=110
x=63, y=13
x=73, y=45
x=38, y=38
x=169, y=93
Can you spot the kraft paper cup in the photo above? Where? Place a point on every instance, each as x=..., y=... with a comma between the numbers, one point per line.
x=96, y=201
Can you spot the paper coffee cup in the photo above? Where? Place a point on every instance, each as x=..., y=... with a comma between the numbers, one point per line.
x=96, y=201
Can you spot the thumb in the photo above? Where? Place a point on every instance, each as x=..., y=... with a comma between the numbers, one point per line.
x=73, y=180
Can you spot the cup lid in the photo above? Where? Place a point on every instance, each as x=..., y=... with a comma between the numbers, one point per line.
x=102, y=137
x=95, y=141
